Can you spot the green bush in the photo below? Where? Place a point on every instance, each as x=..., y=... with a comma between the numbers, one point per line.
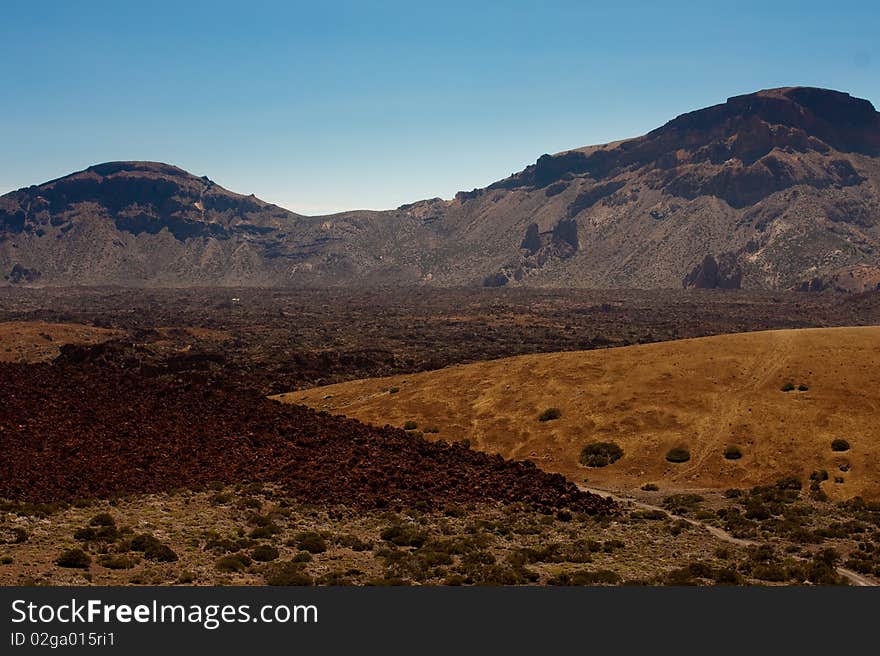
x=233, y=563
x=102, y=519
x=839, y=445
x=103, y=533
x=403, y=535
x=264, y=532
x=410, y=425
x=802, y=387
x=152, y=548
x=788, y=387
x=550, y=414
x=650, y=487
x=600, y=454
x=733, y=453
x=653, y=514
x=678, y=455
x=681, y=504
x=76, y=558
x=312, y=542
x=264, y=553
x=431, y=429
x=287, y=574
x=116, y=561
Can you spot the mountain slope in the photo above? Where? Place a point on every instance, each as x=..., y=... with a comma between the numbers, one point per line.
x=769, y=190
x=777, y=189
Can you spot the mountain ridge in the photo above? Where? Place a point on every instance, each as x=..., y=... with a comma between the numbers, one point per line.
x=779, y=189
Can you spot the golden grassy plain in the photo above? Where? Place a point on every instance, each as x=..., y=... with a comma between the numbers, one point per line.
x=701, y=394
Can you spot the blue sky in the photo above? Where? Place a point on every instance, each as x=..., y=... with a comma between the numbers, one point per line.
x=338, y=105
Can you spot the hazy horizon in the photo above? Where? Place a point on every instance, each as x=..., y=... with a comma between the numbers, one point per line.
x=361, y=106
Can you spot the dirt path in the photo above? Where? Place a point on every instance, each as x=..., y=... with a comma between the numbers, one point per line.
x=853, y=577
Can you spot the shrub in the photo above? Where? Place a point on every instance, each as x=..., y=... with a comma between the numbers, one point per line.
x=586, y=577
x=681, y=504
x=103, y=533
x=653, y=514
x=14, y=535
x=788, y=387
x=393, y=390
x=803, y=388
x=410, y=425
x=233, y=563
x=789, y=483
x=403, y=536
x=116, y=561
x=102, y=519
x=311, y=542
x=550, y=414
x=733, y=453
x=152, y=548
x=74, y=558
x=600, y=454
x=678, y=455
x=264, y=553
x=431, y=429
x=264, y=532
x=287, y=574
x=650, y=487
x=839, y=445
x=728, y=576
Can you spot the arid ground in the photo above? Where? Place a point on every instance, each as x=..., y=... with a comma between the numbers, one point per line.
x=140, y=448
x=781, y=398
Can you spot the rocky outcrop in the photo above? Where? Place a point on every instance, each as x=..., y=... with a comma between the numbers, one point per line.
x=20, y=274
x=724, y=273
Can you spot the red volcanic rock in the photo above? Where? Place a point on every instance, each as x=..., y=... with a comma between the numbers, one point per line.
x=83, y=432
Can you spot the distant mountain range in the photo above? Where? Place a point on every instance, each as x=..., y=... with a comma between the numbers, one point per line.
x=778, y=189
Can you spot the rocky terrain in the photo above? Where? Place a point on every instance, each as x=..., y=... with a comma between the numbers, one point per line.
x=138, y=447
x=778, y=189
x=81, y=432
x=277, y=340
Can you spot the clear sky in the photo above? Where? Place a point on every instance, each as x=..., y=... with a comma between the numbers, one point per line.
x=324, y=106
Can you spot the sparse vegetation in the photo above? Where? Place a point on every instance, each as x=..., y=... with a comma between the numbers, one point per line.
x=839, y=445
x=678, y=455
x=288, y=574
x=600, y=454
x=410, y=425
x=116, y=561
x=550, y=414
x=233, y=563
x=153, y=548
x=264, y=553
x=733, y=453
x=311, y=542
x=74, y=558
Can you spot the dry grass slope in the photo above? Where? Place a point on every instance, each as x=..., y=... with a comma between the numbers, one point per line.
x=702, y=394
x=38, y=341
